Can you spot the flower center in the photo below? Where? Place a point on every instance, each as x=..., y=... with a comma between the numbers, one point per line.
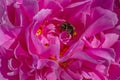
x=67, y=31
x=67, y=27
x=65, y=37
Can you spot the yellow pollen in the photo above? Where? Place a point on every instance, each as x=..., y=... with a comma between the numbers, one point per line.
x=74, y=34
x=39, y=31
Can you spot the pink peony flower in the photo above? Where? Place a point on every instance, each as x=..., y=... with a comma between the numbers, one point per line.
x=59, y=40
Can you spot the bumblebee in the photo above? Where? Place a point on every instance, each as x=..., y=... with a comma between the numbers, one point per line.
x=67, y=27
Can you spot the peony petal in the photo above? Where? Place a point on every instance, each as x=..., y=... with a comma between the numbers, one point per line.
x=1, y=12
x=64, y=3
x=65, y=76
x=107, y=54
x=52, y=76
x=77, y=4
x=20, y=1
x=33, y=43
x=1, y=77
x=110, y=39
x=107, y=4
x=114, y=72
x=94, y=76
x=8, y=34
x=83, y=56
x=19, y=52
x=30, y=47
x=4, y=37
x=116, y=47
x=31, y=7
x=103, y=20
x=42, y=14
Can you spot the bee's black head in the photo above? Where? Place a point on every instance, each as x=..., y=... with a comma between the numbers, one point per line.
x=67, y=27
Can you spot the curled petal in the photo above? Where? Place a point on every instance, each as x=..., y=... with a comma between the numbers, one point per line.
x=116, y=47
x=78, y=4
x=107, y=54
x=108, y=4
x=110, y=39
x=114, y=72
x=106, y=18
x=42, y=14
x=4, y=38
x=30, y=5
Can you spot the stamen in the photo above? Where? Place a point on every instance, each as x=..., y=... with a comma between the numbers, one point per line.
x=74, y=33
x=39, y=31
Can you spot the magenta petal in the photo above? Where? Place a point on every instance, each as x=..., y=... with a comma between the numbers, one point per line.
x=77, y=4
x=20, y=1
x=5, y=66
x=19, y=52
x=59, y=39
x=8, y=35
x=42, y=14
x=116, y=47
x=1, y=12
x=107, y=54
x=1, y=77
x=103, y=20
x=64, y=3
x=114, y=72
x=64, y=76
x=104, y=57
x=52, y=76
x=34, y=46
x=5, y=39
x=110, y=39
x=83, y=56
x=31, y=7
x=108, y=4
x=54, y=5
x=52, y=50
